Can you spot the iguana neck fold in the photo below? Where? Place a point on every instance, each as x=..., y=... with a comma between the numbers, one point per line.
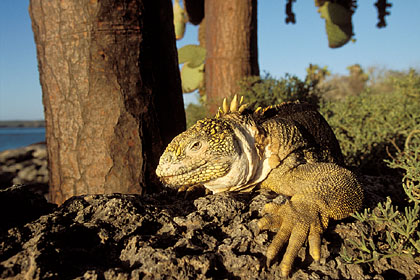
x=249, y=169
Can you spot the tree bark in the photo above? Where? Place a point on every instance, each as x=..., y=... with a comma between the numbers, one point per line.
x=111, y=92
x=232, y=51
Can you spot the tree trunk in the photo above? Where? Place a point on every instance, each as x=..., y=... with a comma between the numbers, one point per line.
x=231, y=42
x=111, y=92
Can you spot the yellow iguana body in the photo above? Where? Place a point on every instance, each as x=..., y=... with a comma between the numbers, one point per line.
x=287, y=148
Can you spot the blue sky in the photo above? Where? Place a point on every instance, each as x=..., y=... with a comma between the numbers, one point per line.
x=283, y=48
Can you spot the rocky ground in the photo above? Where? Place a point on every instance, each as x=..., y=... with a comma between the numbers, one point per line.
x=27, y=166
x=166, y=236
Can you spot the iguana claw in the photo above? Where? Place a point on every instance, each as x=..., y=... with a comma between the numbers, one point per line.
x=292, y=226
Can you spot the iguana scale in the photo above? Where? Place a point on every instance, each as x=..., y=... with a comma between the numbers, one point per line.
x=288, y=148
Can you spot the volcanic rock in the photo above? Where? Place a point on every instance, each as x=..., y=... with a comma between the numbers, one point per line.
x=162, y=236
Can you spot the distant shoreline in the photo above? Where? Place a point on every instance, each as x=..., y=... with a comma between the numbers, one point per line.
x=38, y=123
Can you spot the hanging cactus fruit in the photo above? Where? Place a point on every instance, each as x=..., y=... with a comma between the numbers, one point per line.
x=337, y=23
x=179, y=20
x=192, y=78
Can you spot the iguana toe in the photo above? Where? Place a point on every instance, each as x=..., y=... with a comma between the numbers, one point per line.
x=314, y=240
x=271, y=219
x=295, y=222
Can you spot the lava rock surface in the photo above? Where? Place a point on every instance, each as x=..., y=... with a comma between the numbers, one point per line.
x=163, y=236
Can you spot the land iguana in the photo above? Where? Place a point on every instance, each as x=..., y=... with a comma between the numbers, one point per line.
x=289, y=149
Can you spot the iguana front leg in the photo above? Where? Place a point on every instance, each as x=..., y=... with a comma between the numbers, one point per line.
x=319, y=192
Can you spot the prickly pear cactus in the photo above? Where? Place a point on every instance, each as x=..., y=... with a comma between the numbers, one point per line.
x=192, y=78
x=192, y=72
x=180, y=20
x=338, y=23
x=192, y=55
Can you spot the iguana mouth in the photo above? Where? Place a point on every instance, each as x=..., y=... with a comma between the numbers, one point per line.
x=167, y=170
x=174, y=181
x=190, y=177
x=198, y=174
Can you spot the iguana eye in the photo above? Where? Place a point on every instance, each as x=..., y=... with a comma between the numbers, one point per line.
x=195, y=146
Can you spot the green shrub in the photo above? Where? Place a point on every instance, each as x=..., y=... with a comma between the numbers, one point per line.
x=408, y=160
x=387, y=232
x=263, y=92
x=409, y=84
x=340, y=86
x=195, y=112
x=369, y=126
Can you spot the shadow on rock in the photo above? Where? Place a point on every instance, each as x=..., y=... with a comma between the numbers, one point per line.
x=157, y=236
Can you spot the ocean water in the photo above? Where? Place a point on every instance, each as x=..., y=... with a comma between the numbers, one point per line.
x=16, y=137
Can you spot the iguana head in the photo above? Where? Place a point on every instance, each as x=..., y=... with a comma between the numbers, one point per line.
x=201, y=154
x=218, y=153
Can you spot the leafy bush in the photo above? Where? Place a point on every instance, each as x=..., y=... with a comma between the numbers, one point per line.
x=387, y=232
x=409, y=84
x=341, y=86
x=195, y=112
x=369, y=126
x=366, y=125
x=409, y=161
x=263, y=92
